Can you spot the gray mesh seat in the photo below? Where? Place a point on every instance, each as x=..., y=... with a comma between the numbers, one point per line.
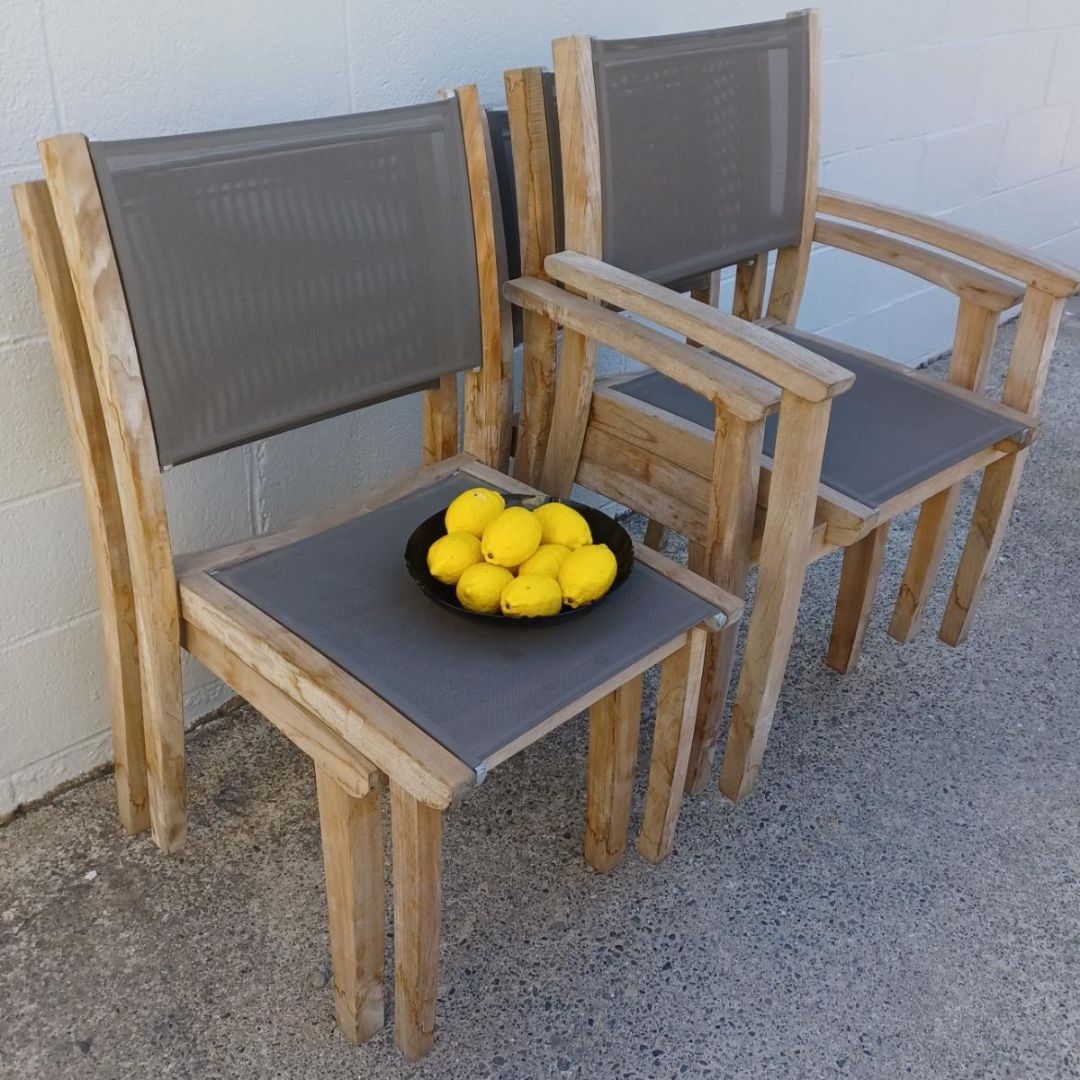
x=472, y=686
x=886, y=434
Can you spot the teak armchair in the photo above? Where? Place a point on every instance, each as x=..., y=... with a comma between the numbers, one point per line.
x=678, y=156
x=202, y=291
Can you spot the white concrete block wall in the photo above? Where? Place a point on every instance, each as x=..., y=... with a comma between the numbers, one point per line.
x=967, y=108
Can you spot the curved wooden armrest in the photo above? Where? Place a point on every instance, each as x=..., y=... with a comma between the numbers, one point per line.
x=738, y=391
x=1018, y=263
x=790, y=366
x=966, y=281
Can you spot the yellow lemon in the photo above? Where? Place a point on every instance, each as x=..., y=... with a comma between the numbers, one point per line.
x=547, y=560
x=473, y=510
x=587, y=574
x=511, y=538
x=530, y=595
x=451, y=555
x=481, y=586
x=562, y=524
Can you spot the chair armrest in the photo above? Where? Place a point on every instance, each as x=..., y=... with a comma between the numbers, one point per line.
x=738, y=391
x=776, y=359
x=966, y=281
x=1014, y=262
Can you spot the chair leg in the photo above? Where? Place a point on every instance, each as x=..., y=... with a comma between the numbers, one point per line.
x=726, y=561
x=125, y=706
x=654, y=535
x=353, y=860
x=676, y=717
x=976, y=332
x=416, y=830
x=858, y=584
x=924, y=560
x=614, y=723
x=781, y=572
x=993, y=507
x=163, y=732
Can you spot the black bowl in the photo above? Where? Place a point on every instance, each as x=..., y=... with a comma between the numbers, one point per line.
x=605, y=530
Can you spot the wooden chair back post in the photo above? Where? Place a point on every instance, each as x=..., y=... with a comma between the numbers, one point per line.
x=489, y=388
x=100, y=497
x=580, y=148
x=792, y=263
x=530, y=142
x=80, y=218
x=748, y=301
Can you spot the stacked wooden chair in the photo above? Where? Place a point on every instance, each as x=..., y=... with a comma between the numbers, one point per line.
x=203, y=291
x=645, y=163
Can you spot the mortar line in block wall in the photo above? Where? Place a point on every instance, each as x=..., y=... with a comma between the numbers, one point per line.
x=35, y=496
x=945, y=43
x=8, y=344
x=58, y=627
x=55, y=94
x=350, y=77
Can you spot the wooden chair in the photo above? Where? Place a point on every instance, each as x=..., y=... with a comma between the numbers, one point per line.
x=673, y=156
x=203, y=291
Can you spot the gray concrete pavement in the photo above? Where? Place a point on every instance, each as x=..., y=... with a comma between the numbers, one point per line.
x=901, y=896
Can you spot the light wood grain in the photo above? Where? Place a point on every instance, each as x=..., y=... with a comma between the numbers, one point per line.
x=750, y=277
x=329, y=752
x=614, y=723
x=738, y=391
x=353, y=861
x=569, y=421
x=489, y=391
x=379, y=732
x=776, y=359
x=83, y=229
x=993, y=507
x=789, y=273
x=531, y=147
x=1033, y=347
x=676, y=709
x=966, y=281
x=1025, y=379
x=736, y=470
x=416, y=832
x=579, y=140
x=855, y=599
x=976, y=331
x=580, y=153
x=668, y=437
x=799, y=448
x=101, y=500
x=439, y=421
x=1015, y=262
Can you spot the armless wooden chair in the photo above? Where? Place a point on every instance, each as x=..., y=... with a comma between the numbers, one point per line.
x=203, y=291
x=673, y=156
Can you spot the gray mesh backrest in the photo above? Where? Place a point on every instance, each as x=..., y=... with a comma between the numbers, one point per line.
x=703, y=146
x=276, y=275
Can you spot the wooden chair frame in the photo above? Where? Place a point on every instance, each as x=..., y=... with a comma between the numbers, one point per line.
x=680, y=474
x=153, y=604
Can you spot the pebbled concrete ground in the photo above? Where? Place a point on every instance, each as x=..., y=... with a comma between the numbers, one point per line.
x=901, y=896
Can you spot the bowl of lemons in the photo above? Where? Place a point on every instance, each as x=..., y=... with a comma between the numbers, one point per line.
x=526, y=560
